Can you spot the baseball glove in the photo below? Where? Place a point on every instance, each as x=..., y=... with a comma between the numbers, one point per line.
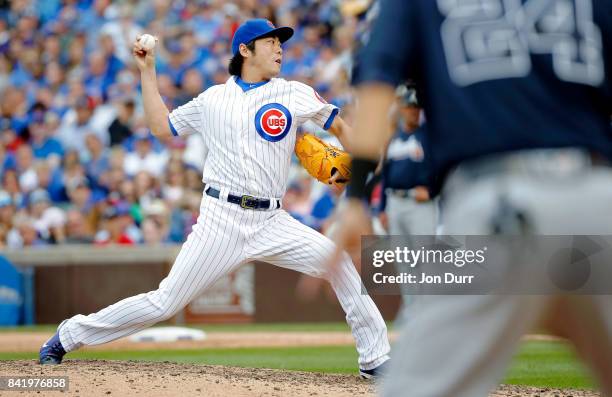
x=322, y=160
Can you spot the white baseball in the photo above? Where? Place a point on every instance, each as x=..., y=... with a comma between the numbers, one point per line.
x=147, y=42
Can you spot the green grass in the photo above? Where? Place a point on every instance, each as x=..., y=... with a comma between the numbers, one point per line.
x=539, y=364
x=334, y=359
x=548, y=364
x=29, y=328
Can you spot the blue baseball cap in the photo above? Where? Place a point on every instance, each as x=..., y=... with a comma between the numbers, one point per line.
x=254, y=29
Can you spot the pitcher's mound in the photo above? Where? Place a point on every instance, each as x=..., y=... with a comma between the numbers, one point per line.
x=132, y=378
x=136, y=378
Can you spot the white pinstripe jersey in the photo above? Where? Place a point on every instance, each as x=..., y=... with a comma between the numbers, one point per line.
x=250, y=132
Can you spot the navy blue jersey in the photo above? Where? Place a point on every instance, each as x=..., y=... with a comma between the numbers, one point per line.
x=498, y=75
x=406, y=163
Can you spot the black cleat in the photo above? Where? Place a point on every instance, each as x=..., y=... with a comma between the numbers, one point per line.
x=375, y=373
x=52, y=352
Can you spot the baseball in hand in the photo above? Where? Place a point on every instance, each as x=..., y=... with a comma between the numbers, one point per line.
x=147, y=42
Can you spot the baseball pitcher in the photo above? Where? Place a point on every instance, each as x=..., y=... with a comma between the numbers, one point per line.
x=249, y=127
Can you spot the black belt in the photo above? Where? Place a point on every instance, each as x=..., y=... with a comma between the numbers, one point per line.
x=533, y=161
x=400, y=193
x=599, y=160
x=246, y=202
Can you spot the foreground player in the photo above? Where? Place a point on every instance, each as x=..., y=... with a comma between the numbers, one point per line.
x=518, y=98
x=249, y=126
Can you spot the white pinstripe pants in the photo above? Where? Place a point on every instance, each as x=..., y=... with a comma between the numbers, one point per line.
x=225, y=237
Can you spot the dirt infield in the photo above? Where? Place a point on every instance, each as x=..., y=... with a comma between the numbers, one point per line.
x=120, y=378
x=16, y=342
x=129, y=378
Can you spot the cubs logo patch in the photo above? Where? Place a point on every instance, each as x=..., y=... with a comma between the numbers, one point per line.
x=273, y=122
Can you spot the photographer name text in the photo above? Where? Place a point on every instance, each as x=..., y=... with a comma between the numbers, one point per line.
x=423, y=278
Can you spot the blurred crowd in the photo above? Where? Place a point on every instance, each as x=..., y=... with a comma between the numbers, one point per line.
x=77, y=162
